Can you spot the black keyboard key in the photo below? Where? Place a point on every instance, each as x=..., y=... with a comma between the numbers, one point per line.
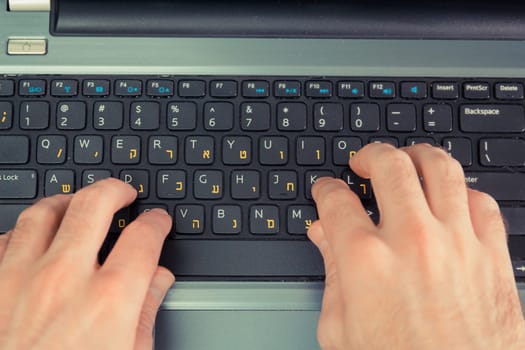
x=414, y=90
x=7, y=87
x=95, y=88
x=509, y=91
x=64, y=88
x=108, y=115
x=208, y=184
x=171, y=184
x=192, y=88
x=245, y=184
x=59, y=182
x=162, y=150
x=145, y=116
x=18, y=184
x=502, y=186
x=242, y=258
x=223, y=88
x=282, y=185
x=120, y=220
x=182, y=116
x=51, y=149
x=34, y=115
x=401, y=117
x=351, y=89
x=226, y=219
x=264, y=219
x=291, y=116
x=32, y=87
x=125, y=150
x=189, y=219
x=418, y=140
x=14, y=149
x=437, y=118
x=318, y=89
x=445, y=91
x=382, y=89
x=476, y=91
x=160, y=88
x=310, y=151
x=88, y=149
x=128, y=88
x=364, y=117
x=255, y=116
x=199, y=150
x=71, y=115
x=385, y=139
x=139, y=179
x=328, y=116
x=311, y=177
x=515, y=220
x=459, y=148
x=144, y=208
x=237, y=150
x=218, y=116
x=492, y=118
x=273, y=150
x=345, y=148
x=9, y=214
x=358, y=185
x=91, y=176
x=300, y=218
x=287, y=89
x=502, y=152
x=255, y=89
x=6, y=115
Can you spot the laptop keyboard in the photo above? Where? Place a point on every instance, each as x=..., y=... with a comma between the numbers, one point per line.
x=234, y=158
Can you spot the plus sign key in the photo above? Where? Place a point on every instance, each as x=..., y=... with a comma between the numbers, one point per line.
x=437, y=118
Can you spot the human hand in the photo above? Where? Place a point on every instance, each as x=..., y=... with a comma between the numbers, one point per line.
x=435, y=273
x=53, y=293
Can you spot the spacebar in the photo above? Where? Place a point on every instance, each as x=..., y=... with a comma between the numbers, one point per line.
x=208, y=258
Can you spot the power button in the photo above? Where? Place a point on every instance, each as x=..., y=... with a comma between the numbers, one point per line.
x=26, y=47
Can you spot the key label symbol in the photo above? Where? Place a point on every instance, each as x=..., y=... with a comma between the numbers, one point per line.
x=132, y=153
x=66, y=188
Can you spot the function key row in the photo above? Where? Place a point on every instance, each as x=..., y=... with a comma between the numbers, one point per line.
x=193, y=88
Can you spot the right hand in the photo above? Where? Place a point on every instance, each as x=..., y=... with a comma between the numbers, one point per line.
x=435, y=273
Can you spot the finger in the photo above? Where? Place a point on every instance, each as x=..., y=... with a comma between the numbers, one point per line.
x=443, y=183
x=88, y=218
x=34, y=230
x=341, y=215
x=135, y=256
x=3, y=243
x=394, y=180
x=487, y=221
x=160, y=284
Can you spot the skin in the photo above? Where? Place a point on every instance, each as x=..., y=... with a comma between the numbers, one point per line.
x=434, y=274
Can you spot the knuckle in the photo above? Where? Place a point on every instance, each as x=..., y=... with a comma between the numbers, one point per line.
x=447, y=167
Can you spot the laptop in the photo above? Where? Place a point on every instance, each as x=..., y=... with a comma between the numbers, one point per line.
x=225, y=114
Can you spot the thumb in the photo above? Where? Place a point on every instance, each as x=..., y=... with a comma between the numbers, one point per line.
x=160, y=284
x=330, y=328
